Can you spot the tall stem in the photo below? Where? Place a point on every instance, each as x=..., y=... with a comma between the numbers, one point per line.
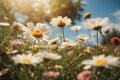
x=60, y=35
x=76, y=32
x=103, y=36
x=63, y=34
x=97, y=38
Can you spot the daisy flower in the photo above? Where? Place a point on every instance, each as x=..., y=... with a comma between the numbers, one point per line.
x=53, y=41
x=82, y=37
x=48, y=56
x=27, y=59
x=68, y=44
x=17, y=26
x=75, y=28
x=101, y=61
x=61, y=21
x=96, y=23
x=37, y=34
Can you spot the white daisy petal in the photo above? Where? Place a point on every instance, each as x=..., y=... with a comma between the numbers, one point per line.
x=27, y=59
x=102, y=60
x=30, y=25
x=87, y=67
x=37, y=34
x=49, y=56
x=96, y=23
x=61, y=21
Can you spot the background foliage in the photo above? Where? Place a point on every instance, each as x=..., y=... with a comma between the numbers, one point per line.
x=40, y=10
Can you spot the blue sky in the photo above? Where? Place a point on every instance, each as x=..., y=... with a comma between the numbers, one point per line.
x=102, y=8
x=98, y=8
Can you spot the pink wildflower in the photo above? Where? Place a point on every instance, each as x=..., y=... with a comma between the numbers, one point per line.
x=17, y=43
x=107, y=31
x=115, y=41
x=51, y=74
x=85, y=75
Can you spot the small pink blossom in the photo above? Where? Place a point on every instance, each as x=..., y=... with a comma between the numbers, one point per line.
x=51, y=74
x=85, y=75
x=107, y=31
x=115, y=41
x=17, y=43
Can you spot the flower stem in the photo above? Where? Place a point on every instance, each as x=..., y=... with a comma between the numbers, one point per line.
x=63, y=36
x=76, y=32
x=76, y=59
x=103, y=36
x=60, y=35
x=97, y=38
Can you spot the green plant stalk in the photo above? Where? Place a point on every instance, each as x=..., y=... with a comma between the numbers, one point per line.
x=60, y=35
x=76, y=32
x=63, y=35
x=97, y=38
x=76, y=59
x=102, y=35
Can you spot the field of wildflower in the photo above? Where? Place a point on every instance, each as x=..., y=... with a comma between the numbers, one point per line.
x=28, y=51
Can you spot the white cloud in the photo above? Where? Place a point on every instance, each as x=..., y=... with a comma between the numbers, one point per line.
x=115, y=25
x=117, y=15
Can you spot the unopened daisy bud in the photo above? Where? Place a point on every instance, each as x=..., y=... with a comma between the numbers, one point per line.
x=48, y=67
x=87, y=50
x=58, y=67
x=87, y=15
x=106, y=31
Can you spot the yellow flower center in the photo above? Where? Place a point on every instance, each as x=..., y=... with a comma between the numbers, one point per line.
x=101, y=62
x=61, y=23
x=37, y=33
x=26, y=61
